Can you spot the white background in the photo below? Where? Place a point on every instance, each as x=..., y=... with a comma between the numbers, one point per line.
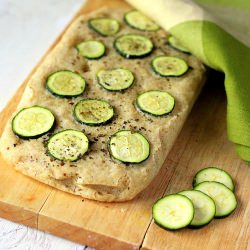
x=27, y=29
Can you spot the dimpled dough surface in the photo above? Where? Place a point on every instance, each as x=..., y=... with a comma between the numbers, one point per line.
x=96, y=175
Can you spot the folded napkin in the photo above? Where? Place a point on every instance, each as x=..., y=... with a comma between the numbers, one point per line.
x=217, y=32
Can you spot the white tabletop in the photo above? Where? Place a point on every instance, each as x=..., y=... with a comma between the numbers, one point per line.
x=27, y=29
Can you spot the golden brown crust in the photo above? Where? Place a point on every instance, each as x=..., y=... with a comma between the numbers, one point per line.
x=97, y=176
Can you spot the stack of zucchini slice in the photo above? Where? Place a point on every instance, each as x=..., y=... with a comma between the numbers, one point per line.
x=212, y=197
x=125, y=145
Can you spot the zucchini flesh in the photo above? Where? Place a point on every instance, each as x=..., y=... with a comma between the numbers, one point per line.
x=129, y=147
x=224, y=198
x=204, y=207
x=104, y=26
x=214, y=174
x=91, y=49
x=138, y=20
x=173, y=211
x=176, y=44
x=93, y=112
x=169, y=66
x=65, y=83
x=68, y=145
x=33, y=122
x=155, y=102
x=115, y=79
x=133, y=46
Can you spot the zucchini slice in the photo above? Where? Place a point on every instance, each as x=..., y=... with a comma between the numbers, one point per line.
x=204, y=207
x=68, y=145
x=33, y=122
x=91, y=49
x=137, y=20
x=104, y=26
x=130, y=147
x=155, y=102
x=213, y=174
x=173, y=211
x=133, y=46
x=169, y=66
x=224, y=198
x=93, y=112
x=65, y=83
x=115, y=79
x=176, y=44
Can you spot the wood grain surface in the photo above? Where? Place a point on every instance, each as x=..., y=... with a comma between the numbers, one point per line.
x=129, y=225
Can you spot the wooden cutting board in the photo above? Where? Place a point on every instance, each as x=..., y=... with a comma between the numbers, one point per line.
x=128, y=225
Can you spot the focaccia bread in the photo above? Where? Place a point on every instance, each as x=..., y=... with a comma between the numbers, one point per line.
x=96, y=175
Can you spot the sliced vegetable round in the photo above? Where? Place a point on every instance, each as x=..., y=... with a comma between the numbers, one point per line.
x=65, y=83
x=91, y=49
x=129, y=147
x=32, y=122
x=93, y=111
x=133, y=46
x=204, y=207
x=169, y=66
x=176, y=44
x=68, y=145
x=173, y=211
x=224, y=198
x=115, y=79
x=214, y=174
x=155, y=102
x=138, y=20
x=104, y=26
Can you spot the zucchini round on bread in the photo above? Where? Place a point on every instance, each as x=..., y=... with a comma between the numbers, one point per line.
x=173, y=211
x=129, y=147
x=224, y=198
x=138, y=20
x=169, y=66
x=133, y=46
x=33, y=122
x=65, y=83
x=68, y=145
x=204, y=207
x=104, y=26
x=155, y=102
x=115, y=79
x=93, y=111
x=91, y=49
x=214, y=174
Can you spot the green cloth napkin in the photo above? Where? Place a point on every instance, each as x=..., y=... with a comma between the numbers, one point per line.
x=217, y=32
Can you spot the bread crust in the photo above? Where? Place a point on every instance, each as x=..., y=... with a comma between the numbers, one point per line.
x=96, y=176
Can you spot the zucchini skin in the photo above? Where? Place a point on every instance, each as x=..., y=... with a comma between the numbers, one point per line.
x=94, y=124
x=133, y=27
x=221, y=216
x=92, y=58
x=203, y=225
x=194, y=179
x=169, y=229
x=125, y=162
x=157, y=73
x=148, y=113
x=49, y=154
x=90, y=26
x=89, y=57
x=121, y=90
x=137, y=106
x=131, y=56
x=64, y=96
x=31, y=137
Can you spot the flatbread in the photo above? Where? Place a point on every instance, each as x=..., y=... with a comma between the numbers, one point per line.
x=97, y=176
